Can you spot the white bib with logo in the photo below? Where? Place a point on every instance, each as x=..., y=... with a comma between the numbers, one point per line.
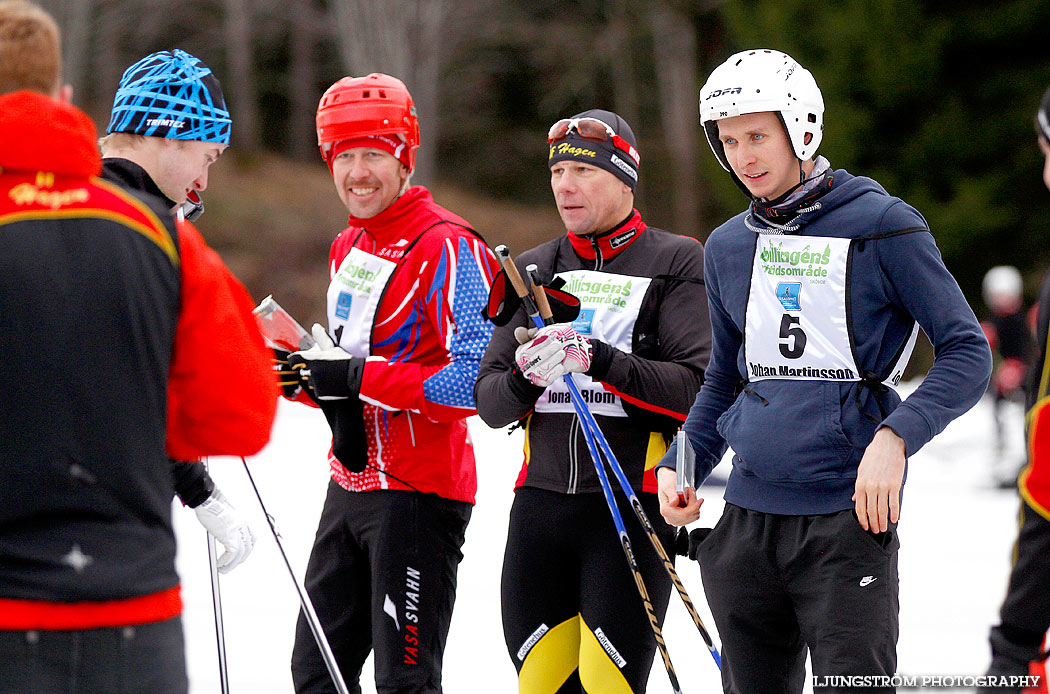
x=609, y=306
x=796, y=325
x=353, y=299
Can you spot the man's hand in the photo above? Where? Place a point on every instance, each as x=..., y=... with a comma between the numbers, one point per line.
x=879, y=479
x=329, y=372
x=673, y=511
x=554, y=351
x=225, y=524
x=287, y=378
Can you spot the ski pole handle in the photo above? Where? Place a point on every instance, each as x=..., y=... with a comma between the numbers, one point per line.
x=538, y=292
x=503, y=254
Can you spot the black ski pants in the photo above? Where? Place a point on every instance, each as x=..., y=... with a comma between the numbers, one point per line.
x=382, y=577
x=572, y=616
x=140, y=659
x=779, y=584
x=1027, y=603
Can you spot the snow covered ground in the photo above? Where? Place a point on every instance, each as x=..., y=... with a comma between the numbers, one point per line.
x=956, y=533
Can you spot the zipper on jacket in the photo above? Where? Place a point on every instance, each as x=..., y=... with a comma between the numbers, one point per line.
x=598, y=260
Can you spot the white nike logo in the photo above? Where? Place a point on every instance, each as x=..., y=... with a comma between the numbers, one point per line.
x=866, y=580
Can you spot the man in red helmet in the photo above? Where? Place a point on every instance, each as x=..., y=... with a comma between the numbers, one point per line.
x=394, y=374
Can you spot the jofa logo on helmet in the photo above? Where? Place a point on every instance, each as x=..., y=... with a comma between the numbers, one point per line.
x=720, y=92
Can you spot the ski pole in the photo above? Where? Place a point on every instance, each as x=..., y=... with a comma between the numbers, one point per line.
x=591, y=425
x=532, y=307
x=591, y=430
x=304, y=598
x=216, y=601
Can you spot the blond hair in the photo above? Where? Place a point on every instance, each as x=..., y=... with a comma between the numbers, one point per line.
x=120, y=142
x=30, y=49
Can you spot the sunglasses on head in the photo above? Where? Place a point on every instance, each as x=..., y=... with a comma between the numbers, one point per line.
x=591, y=129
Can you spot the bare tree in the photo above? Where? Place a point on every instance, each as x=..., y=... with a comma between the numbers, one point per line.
x=244, y=101
x=675, y=61
x=403, y=38
x=74, y=18
x=302, y=77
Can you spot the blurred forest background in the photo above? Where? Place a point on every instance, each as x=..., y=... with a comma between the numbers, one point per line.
x=935, y=99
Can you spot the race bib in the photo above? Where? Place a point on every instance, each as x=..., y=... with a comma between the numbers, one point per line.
x=353, y=299
x=795, y=324
x=609, y=306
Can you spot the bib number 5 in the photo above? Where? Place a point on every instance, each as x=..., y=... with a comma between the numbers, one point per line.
x=794, y=337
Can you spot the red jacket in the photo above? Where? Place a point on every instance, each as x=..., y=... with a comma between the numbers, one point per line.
x=1034, y=482
x=125, y=340
x=429, y=337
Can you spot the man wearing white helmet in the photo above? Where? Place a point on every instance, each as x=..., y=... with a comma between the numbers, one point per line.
x=816, y=293
x=1008, y=334
x=1025, y=612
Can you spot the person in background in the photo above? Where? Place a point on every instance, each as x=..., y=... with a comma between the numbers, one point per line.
x=572, y=617
x=116, y=321
x=394, y=375
x=817, y=291
x=1025, y=613
x=1008, y=334
x=168, y=125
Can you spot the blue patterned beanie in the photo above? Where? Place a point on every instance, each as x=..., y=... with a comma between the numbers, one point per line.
x=173, y=95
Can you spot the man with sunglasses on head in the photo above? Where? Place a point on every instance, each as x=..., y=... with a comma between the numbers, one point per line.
x=572, y=616
x=817, y=291
x=168, y=125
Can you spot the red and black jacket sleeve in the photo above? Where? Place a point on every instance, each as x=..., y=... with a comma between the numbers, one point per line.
x=228, y=407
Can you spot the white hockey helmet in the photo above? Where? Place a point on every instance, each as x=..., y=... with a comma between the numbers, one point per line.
x=1002, y=282
x=764, y=80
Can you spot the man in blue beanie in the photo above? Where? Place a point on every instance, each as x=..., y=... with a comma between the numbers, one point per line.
x=169, y=124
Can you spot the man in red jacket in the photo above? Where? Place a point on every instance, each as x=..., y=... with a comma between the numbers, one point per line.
x=116, y=322
x=394, y=374
x=1025, y=613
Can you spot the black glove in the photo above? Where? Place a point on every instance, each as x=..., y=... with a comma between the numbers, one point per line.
x=333, y=379
x=349, y=443
x=688, y=544
x=288, y=379
x=503, y=302
x=328, y=372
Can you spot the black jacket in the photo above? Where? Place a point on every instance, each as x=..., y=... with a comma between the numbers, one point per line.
x=191, y=481
x=657, y=380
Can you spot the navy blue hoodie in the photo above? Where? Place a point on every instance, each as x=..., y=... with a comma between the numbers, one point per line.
x=798, y=443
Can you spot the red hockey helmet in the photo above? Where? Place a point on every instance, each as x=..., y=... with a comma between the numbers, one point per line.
x=357, y=107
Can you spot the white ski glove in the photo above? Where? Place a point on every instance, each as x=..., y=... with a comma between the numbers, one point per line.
x=330, y=372
x=554, y=351
x=225, y=524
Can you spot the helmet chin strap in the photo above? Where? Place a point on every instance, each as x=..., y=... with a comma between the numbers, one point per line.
x=783, y=196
